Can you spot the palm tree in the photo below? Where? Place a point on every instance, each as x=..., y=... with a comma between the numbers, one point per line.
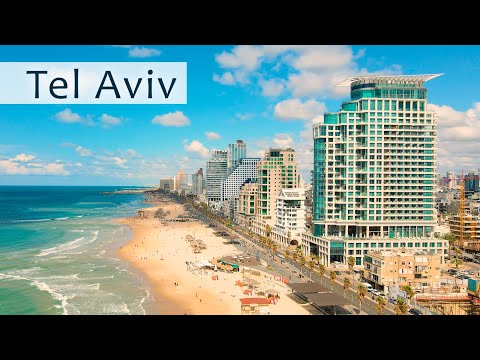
x=311, y=264
x=287, y=253
x=408, y=290
x=333, y=276
x=351, y=264
x=268, y=230
x=302, y=260
x=274, y=249
x=380, y=305
x=457, y=261
x=346, y=285
x=401, y=307
x=361, y=291
x=321, y=269
x=295, y=255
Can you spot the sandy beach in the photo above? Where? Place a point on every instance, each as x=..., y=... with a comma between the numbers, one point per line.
x=160, y=251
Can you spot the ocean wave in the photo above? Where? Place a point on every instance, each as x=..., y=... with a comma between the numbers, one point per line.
x=40, y=220
x=42, y=286
x=78, y=231
x=72, y=245
x=62, y=247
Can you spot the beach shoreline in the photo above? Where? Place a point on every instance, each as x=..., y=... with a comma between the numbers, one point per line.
x=160, y=251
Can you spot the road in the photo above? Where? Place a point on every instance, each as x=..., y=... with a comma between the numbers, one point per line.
x=293, y=270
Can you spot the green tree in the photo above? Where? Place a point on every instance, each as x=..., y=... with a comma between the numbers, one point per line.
x=333, y=276
x=351, y=264
x=346, y=285
x=268, y=230
x=295, y=255
x=408, y=290
x=401, y=307
x=361, y=292
x=380, y=307
x=302, y=260
x=457, y=261
x=321, y=269
x=311, y=264
x=287, y=253
x=274, y=249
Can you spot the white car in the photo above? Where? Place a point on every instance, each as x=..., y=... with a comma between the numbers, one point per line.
x=375, y=292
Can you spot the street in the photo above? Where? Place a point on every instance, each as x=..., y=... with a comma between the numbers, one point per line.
x=293, y=271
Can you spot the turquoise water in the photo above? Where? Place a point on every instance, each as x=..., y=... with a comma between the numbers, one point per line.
x=57, y=252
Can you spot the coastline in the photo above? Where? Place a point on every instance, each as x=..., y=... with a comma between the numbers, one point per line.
x=160, y=251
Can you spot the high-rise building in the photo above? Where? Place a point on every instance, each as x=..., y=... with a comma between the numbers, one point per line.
x=236, y=152
x=181, y=181
x=198, y=182
x=472, y=183
x=374, y=170
x=277, y=170
x=245, y=170
x=216, y=174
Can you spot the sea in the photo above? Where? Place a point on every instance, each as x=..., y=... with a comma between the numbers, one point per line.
x=58, y=252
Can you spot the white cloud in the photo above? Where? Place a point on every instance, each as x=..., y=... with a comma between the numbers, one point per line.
x=314, y=70
x=177, y=119
x=143, y=52
x=458, y=133
x=212, y=135
x=83, y=152
x=271, y=87
x=283, y=141
x=197, y=149
x=109, y=120
x=23, y=157
x=244, y=56
x=245, y=116
x=225, y=79
x=20, y=165
x=67, y=116
x=294, y=109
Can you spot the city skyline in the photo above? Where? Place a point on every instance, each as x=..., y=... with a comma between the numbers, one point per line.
x=269, y=96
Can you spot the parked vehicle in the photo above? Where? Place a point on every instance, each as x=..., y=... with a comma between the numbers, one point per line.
x=414, y=311
x=368, y=286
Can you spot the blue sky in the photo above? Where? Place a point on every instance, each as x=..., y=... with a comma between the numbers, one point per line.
x=265, y=95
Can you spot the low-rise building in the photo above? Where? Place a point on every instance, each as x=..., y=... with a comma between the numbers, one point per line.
x=418, y=269
x=167, y=184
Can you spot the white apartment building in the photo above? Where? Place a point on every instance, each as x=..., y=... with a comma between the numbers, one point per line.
x=290, y=217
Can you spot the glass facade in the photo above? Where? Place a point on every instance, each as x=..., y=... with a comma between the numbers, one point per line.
x=375, y=162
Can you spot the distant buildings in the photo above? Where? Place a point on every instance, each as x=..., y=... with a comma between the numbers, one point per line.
x=167, y=184
x=236, y=152
x=246, y=170
x=181, y=181
x=388, y=269
x=374, y=169
x=198, y=182
x=217, y=171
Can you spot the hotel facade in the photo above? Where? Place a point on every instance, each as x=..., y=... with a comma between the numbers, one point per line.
x=374, y=171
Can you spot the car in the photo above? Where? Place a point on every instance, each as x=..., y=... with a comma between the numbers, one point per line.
x=375, y=292
x=393, y=300
x=382, y=295
x=414, y=311
x=338, y=272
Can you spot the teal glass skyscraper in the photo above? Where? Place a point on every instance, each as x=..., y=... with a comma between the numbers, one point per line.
x=374, y=169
